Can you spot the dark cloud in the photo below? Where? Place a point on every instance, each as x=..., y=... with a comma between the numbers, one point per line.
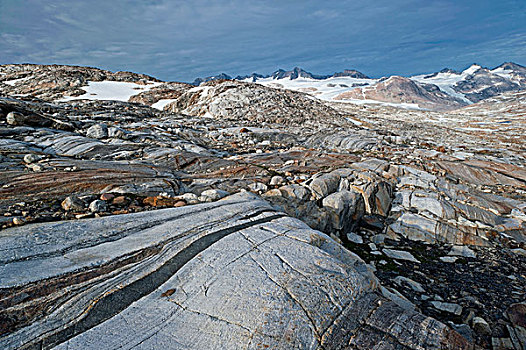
x=179, y=40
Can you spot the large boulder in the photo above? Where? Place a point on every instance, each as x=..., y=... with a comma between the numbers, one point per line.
x=224, y=275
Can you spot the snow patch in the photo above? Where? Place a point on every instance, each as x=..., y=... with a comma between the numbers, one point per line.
x=15, y=81
x=163, y=103
x=110, y=90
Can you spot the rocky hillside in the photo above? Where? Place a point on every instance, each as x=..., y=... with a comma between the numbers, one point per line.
x=400, y=90
x=247, y=216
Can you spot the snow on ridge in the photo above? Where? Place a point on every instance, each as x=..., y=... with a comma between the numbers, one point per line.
x=323, y=89
x=163, y=103
x=14, y=81
x=472, y=69
x=111, y=90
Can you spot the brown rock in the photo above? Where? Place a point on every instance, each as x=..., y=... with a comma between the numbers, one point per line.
x=107, y=196
x=120, y=200
x=163, y=202
x=517, y=314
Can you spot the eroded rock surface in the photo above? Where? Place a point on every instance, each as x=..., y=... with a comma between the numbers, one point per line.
x=222, y=275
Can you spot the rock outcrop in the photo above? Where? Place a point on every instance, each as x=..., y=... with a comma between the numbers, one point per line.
x=222, y=275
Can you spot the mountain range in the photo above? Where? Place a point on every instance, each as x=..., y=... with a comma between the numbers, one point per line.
x=444, y=90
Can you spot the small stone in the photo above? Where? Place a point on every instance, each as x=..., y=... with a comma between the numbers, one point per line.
x=190, y=198
x=480, y=326
x=98, y=206
x=18, y=220
x=31, y=158
x=400, y=255
x=448, y=259
x=83, y=216
x=15, y=118
x=97, y=131
x=447, y=307
x=353, y=237
x=73, y=203
x=258, y=187
x=417, y=287
x=462, y=250
x=107, y=196
x=212, y=195
x=277, y=180
x=120, y=200
x=378, y=239
x=35, y=167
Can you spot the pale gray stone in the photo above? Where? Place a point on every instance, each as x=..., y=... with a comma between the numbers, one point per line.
x=73, y=203
x=97, y=206
x=399, y=255
x=447, y=307
x=31, y=158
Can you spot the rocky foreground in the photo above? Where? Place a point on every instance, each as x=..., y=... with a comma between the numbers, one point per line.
x=242, y=216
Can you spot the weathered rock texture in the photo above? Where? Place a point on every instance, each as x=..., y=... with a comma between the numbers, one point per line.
x=226, y=275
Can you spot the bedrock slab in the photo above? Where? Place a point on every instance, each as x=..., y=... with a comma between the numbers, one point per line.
x=224, y=275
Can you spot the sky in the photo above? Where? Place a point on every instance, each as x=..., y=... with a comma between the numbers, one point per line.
x=180, y=40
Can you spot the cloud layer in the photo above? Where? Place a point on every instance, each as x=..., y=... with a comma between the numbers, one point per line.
x=180, y=40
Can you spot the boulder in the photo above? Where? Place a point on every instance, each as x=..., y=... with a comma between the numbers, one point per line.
x=97, y=131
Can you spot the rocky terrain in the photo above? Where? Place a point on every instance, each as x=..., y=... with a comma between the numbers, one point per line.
x=137, y=213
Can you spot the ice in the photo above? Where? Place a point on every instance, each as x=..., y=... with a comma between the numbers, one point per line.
x=163, y=103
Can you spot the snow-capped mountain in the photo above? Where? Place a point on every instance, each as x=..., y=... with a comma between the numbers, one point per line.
x=477, y=83
x=443, y=90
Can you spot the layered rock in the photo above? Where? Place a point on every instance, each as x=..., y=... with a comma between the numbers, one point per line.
x=232, y=267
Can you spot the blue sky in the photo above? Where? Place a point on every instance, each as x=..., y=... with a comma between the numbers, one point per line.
x=181, y=40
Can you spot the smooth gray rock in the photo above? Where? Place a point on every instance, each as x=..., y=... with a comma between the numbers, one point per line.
x=97, y=131
x=399, y=255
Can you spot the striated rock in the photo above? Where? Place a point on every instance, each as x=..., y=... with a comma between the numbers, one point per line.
x=211, y=264
x=426, y=181
x=97, y=131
